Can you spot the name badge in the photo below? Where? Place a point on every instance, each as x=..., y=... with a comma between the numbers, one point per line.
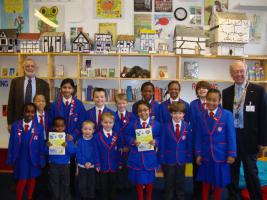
x=250, y=108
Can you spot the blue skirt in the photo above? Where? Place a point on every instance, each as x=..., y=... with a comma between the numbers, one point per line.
x=217, y=174
x=141, y=176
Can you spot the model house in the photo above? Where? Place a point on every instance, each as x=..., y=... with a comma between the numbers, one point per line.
x=8, y=40
x=148, y=40
x=103, y=43
x=82, y=43
x=125, y=43
x=53, y=42
x=29, y=42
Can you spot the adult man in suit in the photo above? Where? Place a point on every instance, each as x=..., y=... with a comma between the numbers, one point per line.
x=247, y=102
x=23, y=89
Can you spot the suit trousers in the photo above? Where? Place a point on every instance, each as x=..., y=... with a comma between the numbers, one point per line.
x=249, y=162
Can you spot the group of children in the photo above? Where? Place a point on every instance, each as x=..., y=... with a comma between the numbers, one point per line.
x=101, y=145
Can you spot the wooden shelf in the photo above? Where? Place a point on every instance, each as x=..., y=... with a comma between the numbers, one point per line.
x=208, y=80
x=254, y=6
x=130, y=79
x=98, y=78
x=9, y=54
x=7, y=77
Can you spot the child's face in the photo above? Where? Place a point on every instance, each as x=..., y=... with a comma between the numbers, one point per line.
x=67, y=90
x=99, y=98
x=143, y=112
x=202, y=92
x=88, y=130
x=174, y=90
x=107, y=123
x=147, y=93
x=177, y=116
x=40, y=103
x=59, y=126
x=213, y=100
x=121, y=105
x=29, y=113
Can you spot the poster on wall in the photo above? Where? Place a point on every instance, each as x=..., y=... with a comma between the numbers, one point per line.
x=142, y=5
x=255, y=28
x=74, y=32
x=109, y=28
x=163, y=5
x=195, y=15
x=54, y=13
x=141, y=21
x=108, y=9
x=162, y=23
x=212, y=5
x=15, y=14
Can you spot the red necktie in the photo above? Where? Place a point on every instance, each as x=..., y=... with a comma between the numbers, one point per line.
x=26, y=127
x=144, y=124
x=108, y=135
x=122, y=116
x=99, y=117
x=67, y=103
x=41, y=119
x=203, y=106
x=177, y=130
x=212, y=114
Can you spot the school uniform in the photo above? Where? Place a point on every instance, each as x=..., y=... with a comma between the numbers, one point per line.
x=42, y=181
x=109, y=147
x=72, y=110
x=215, y=141
x=197, y=107
x=26, y=154
x=59, y=173
x=94, y=114
x=165, y=115
x=154, y=106
x=175, y=149
x=122, y=120
x=87, y=151
x=142, y=165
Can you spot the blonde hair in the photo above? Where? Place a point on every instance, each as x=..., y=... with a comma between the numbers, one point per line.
x=121, y=96
x=107, y=115
x=88, y=122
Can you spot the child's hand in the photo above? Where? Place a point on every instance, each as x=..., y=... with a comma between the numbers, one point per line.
x=97, y=169
x=87, y=165
x=64, y=144
x=152, y=142
x=198, y=160
x=125, y=149
x=230, y=160
x=69, y=137
x=49, y=144
x=137, y=143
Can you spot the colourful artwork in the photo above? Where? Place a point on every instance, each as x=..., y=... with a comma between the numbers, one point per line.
x=162, y=23
x=108, y=8
x=15, y=14
x=195, y=15
x=255, y=28
x=141, y=21
x=142, y=5
x=109, y=28
x=214, y=5
x=163, y=5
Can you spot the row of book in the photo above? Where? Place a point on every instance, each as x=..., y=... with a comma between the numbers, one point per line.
x=98, y=72
x=256, y=72
x=8, y=71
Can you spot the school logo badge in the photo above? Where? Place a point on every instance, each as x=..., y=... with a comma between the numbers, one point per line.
x=75, y=119
x=184, y=137
x=219, y=129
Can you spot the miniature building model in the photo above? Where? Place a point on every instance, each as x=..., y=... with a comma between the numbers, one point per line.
x=53, y=42
x=29, y=42
x=229, y=33
x=103, y=43
x=125, y=43
x=82, y=43
x=8, y=40
x=147, y=40
x=189, y=40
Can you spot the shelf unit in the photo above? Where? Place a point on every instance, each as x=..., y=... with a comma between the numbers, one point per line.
x=175, y=71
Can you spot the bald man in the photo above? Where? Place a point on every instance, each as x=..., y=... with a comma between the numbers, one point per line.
x=248, y=104
x=23, y=89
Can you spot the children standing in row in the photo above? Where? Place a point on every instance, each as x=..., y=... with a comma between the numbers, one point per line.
x=175, y=150
x=26, y=151
x=142, y=164
x=215, y=146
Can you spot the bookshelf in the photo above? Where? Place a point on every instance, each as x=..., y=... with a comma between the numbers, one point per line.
x=212, y=68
